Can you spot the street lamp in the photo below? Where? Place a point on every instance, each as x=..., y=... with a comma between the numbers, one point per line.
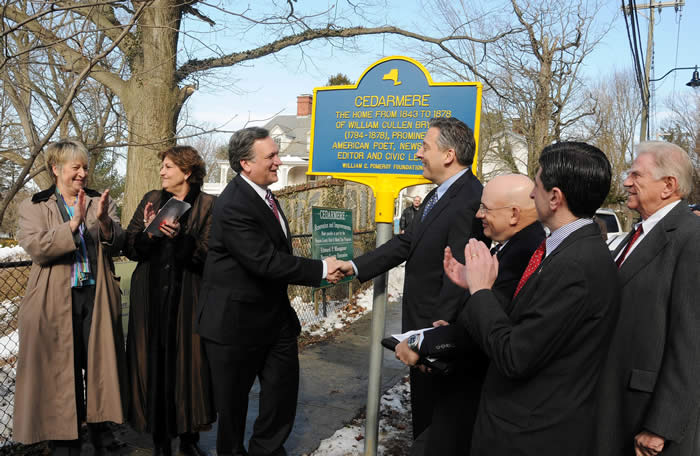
x=695, y=80
x=694, y=83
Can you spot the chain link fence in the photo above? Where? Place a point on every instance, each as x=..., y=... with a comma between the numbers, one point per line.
x=312, y=304
x=13, y=283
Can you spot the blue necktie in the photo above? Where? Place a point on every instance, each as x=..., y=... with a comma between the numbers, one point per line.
x=429, y=205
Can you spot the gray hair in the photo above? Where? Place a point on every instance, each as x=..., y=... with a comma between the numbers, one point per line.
x=670, y=160
x=240, y=146
x=455, y=134
x=62, y=151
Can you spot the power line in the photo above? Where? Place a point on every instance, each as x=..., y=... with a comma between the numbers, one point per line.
x=679, y=17
x=633, y=46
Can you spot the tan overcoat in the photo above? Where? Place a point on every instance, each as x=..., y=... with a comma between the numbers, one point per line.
x=45, y=389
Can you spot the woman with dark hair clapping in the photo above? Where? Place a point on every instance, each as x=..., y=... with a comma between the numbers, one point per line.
x=168, y=371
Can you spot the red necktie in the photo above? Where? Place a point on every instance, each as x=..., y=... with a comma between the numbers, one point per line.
x=635, y=236
x=532, y=266
x=271, y=203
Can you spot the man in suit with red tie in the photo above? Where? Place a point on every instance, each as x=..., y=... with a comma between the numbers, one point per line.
x=546, y=353
x=446, y=218
x=244, y=317
x=650, y=385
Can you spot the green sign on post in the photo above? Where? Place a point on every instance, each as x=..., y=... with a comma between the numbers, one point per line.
x=331, y=235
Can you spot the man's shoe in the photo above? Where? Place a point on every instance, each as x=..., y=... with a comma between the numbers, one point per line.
x=192, y=449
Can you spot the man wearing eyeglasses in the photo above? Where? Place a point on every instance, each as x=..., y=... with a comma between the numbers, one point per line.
x=539, y=396
x=650, y=387
x=509, y=218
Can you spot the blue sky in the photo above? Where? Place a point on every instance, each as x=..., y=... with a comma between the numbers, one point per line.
x=264, y=87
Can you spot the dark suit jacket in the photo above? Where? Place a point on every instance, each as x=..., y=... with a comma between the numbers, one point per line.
x=428, y=294
x=651, y=379
x=452, y=341
x=250, y=262
x=539, y=393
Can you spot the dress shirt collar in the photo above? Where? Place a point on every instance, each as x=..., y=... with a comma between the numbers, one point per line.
x=653, y=219
x=648, y=225
x=262, y=192
x=561, y=233
x=499, y=245
x=442, y=188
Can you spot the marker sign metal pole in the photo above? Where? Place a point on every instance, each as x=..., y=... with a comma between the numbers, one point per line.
x=369, y=133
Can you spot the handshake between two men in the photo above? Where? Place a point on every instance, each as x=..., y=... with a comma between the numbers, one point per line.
x=484, y=267
x=338, y=269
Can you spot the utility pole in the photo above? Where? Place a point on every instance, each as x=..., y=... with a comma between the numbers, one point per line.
x=650, y=50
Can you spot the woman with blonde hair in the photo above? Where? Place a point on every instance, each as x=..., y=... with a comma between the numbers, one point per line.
x=69, y=320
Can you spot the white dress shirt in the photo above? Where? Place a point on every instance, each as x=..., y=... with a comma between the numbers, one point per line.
x=647, y=226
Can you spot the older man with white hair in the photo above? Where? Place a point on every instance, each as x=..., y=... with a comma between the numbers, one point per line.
x=650, y=385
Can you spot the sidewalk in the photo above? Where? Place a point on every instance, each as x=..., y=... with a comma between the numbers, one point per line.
x=332, y=389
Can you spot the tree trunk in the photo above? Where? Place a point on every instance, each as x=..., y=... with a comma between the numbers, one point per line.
x=152, y=101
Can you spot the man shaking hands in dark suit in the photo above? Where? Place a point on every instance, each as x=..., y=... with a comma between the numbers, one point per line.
x=245, y=318
x=446, y=218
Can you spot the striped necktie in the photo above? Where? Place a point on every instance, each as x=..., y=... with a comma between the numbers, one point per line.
x=271, y=203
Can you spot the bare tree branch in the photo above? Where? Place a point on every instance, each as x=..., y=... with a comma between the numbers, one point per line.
x=198, y=65
x=76, y=61
x=37, y=147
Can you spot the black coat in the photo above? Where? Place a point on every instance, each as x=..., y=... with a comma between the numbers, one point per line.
x=456, y=402
x=651, y=379
x=428, y=293
x=453, y=341
x=168, y=371
x=244, y=297
x=407, y=216
x=546, y=355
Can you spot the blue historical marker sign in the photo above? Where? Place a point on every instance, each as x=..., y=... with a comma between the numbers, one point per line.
x=378, y=125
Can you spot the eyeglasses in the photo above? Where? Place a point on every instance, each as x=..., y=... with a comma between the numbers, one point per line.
x=486, y=210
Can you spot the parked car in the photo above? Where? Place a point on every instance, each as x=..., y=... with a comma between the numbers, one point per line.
x=615, y=232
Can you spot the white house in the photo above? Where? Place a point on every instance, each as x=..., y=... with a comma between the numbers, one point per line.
x=292, y=133
x=508, y=150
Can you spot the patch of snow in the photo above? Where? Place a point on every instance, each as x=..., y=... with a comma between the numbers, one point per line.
x=9, y=345
x=15, y=253
x=394, y=427
x=7, y=403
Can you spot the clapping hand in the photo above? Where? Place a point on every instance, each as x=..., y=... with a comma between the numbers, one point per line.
x=103, y=214
x=79, y=211
x=481, y=269
x=149, y=213
x=455, y=270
